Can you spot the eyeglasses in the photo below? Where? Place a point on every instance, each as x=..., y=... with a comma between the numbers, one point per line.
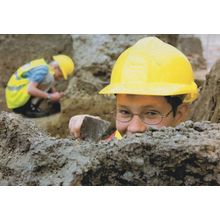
x=148, y=117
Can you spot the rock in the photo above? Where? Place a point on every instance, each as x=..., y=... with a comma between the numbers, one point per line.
x=207, y=107
x=94, y=129
x=31, y=157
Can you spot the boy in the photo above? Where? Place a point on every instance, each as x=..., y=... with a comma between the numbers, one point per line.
x=154, y=85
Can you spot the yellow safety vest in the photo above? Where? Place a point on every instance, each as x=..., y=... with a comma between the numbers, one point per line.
x=16, y=91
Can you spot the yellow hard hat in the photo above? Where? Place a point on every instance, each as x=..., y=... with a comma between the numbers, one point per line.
x=66, y=64
x=152, y=67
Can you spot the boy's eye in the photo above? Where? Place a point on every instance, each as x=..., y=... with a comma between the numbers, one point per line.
x=151, y=114
x=124, y=112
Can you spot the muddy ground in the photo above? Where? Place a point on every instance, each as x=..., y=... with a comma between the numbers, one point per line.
x=186, y=155
x=40, y=152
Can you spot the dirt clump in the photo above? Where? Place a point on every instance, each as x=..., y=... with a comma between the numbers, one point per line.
x=186, y=155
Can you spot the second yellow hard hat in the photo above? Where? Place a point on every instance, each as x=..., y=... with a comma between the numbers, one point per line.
x=66, y=64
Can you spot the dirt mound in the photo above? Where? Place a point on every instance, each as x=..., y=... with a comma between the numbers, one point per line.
x=16, y=50
x=208, y=105
x=186, y=155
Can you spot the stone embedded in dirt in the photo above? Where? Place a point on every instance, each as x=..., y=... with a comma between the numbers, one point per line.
x=186, y=155
x=94, y=129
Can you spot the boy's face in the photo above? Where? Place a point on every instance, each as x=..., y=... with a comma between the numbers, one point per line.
x=151, y=108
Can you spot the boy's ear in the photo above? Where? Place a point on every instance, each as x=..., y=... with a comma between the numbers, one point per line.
x=182, y=113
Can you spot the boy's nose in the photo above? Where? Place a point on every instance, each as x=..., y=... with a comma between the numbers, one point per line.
x=136, y=125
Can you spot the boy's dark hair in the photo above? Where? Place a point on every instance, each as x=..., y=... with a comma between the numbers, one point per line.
x=175, y=101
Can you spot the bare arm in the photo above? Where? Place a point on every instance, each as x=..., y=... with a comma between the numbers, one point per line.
x=34, y=91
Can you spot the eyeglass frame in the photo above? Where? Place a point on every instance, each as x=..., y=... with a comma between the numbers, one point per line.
x=139, y=115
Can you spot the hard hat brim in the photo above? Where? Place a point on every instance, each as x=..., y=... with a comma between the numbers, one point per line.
x=157, y=89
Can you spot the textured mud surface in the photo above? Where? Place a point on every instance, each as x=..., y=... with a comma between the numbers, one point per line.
x=186, y=155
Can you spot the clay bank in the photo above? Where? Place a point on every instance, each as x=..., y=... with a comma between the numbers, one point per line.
x=186, y=155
